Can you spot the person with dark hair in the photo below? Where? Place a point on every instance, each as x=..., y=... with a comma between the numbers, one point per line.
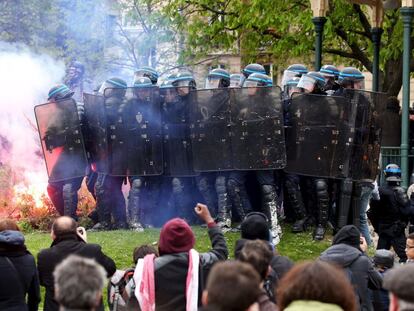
x=175, y=279
x=400, y=283
x=231, y=286
x=79, y=283
x=18, y=272
x=256, y=226
x=142, y=251
x=409, y=248
x=67, y=240
x=383, y=261
x=348, y=251
x=315, y=286
x=258, y=255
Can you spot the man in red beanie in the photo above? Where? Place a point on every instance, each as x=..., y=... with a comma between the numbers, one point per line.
x=178, y=275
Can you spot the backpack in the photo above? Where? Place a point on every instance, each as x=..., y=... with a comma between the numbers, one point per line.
x=121, y=289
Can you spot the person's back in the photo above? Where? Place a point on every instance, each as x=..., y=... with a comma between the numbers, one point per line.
x=346, y=253
x=18, y=273
x=66, y=242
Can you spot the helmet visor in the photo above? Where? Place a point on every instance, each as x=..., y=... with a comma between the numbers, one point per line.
x=212, y=83
x=236, y=83
x=251, y=83
x=359, y=85
x=288, y=75
x=180, y=83
x=104, y=86
x=290, y=89
x=307, y=83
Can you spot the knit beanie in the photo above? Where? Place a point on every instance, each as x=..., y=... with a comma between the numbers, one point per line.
x=176, y=236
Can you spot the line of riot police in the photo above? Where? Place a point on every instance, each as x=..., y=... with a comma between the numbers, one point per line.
x=322, y=131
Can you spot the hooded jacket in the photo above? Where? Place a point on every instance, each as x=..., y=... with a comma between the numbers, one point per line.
x=18, y=274
x=346, y=253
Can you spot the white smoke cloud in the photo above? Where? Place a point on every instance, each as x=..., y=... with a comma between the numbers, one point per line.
x=25, y=78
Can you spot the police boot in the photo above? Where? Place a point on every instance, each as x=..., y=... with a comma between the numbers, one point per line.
x=134, y=199
x=270, y=209
x=70, y=200
x=236, y=197
x=322, y=198
x=296, y=202
x=207, y=191
x=344, y=202
x=224, y=213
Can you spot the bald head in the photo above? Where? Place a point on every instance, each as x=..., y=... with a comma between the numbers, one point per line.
x=63, y=225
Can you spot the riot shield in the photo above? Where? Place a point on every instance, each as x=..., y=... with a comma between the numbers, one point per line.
x=95, y=132
x=62, y=143
x=258, y=141
x=317, y=141
x=211, y=130
x=368, y=115
x=178, y=156
x=143, y=138
x=117, y=131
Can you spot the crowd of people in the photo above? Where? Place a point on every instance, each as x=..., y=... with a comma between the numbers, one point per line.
x=174, y=276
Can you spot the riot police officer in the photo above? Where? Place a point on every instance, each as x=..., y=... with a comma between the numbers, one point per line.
x=63, y=193
x=108, y=188
x=295, y=70
x=212, y=185
x=236, y=80
x=391, y=213
x=178, y=170
x=314, y=83
x=255, y=78
x=331, y=74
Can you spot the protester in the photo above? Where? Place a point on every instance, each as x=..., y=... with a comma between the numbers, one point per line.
x=67, y=240
x=255, y=226
x=409, y=248
x=400, y=283
x=174, y=281
x=258, y=254
x=347, y=251
x=232, y=286
x=79, y=283
x=143, y=250
x=315, y=286
x=18, y=271
x=383, y=261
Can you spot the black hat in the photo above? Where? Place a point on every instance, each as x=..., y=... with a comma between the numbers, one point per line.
x=384, y=258
x=349, y=235
x=255, y=226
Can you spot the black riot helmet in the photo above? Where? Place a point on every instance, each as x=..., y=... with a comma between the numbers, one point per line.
x=295, y=70
x=59, y=92
x=148, y=72
x=116, y=87
x=351, y=78
x=218, y=78
x=312, y=82
x=292, y=87
x=257, y=80
x=392, y=173
x=331, y=74
x=236, y=80
x=253, y=68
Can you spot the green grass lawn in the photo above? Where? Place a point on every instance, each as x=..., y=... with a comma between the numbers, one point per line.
x=119, y=245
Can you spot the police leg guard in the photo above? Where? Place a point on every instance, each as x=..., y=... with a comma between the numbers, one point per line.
x=70, y=199
x=356, y=205
x=134, y=199
x=322, y=202
x=344, y=202
x=102, y=205
x=270, y=209
x=224, y=212
x=204, y=185
x=54, y=191
x=181, y=204
x=296, y=202
x=236, y=195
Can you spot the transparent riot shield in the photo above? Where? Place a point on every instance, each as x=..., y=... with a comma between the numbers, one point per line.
x=95, y=133
x=317, y=142
x=178, y=155
x=115, y=103
x=143, y=138
x=368, y=115
x=62, y=143
x=258, y=140
x=211, y=130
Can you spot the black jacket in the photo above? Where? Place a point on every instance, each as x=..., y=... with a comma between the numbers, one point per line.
x=362, y=272
x=18, y=274
x=60, y=249
x=171, y=273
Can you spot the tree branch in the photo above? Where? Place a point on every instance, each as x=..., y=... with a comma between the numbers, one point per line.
x=364, y=21
x=340, y=53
